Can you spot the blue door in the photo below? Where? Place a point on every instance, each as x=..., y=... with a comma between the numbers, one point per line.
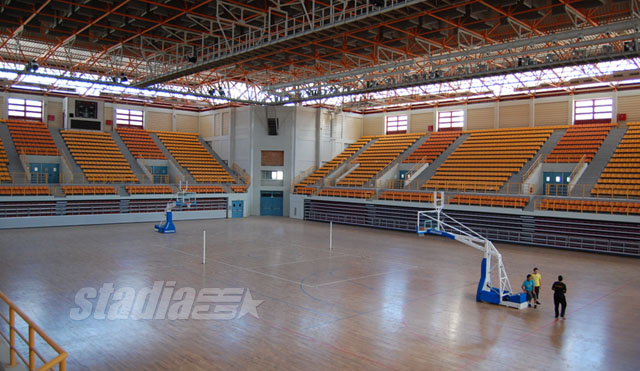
x=53, y=175
x=160, y=174
x=556, y=183
x=237, y=209
x=44, y=173
x=271, y=203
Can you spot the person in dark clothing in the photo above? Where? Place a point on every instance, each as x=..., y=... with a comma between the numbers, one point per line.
x=559, y=289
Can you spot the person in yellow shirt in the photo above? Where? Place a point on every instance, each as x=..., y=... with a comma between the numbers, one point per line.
x=537, y=281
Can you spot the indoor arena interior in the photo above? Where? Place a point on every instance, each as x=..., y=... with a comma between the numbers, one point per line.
x=319, y=185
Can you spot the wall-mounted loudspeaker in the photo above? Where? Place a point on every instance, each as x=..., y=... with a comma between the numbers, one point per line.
x=272, y=125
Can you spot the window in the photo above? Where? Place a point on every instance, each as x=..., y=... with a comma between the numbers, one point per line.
x=397, y=124
x=593, y=111
x=128, y=117
x=450, y=120
x=24, y=109
x=272, y=175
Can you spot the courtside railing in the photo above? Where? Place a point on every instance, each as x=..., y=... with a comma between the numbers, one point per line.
x=34, y=357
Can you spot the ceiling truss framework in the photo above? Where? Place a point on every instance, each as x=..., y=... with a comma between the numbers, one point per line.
x=278, y=52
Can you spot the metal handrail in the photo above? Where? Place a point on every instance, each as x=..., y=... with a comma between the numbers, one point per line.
x=534, y=166
x=60, y=360
x=481, y=187
x=246, y=178
x=579, y=165
x=417, y=166
x=302, y=176
x=145, y=169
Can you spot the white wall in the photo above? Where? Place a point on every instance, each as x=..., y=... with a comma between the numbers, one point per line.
x=305, y=146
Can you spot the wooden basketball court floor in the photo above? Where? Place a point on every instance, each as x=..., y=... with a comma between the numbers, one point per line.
x=379, y=300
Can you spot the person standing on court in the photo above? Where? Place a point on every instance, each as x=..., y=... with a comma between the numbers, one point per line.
x=537, y=281
x=559, y=289
x=527, y=286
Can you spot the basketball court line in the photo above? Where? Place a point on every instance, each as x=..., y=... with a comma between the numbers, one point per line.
x=384, y=307
x=234, y=266
x=305, y=261
x=355, y=278
x=301, y=282
x=387, y=261
x=555, y=320
x=340, y=281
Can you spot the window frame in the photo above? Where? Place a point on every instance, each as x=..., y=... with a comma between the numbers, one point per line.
x=273, y=175
x=122, y=118
x=400, y=124
x=32, y=109
x=451, y=118
x=597, y=112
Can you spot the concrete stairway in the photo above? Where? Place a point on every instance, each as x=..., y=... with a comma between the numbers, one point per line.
x=599, y=161
x=355, y=154
x=188, y=176
x=135, y=167
x=413, y=147
x=402, y=156
x=546, y=148
x=14, y=166
x=64, y=150
x=335, y=171
x=222, y=162
x=431, y=170
x=532, y=202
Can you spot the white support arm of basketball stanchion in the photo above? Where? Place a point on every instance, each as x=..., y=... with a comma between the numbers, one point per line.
x=204, y=247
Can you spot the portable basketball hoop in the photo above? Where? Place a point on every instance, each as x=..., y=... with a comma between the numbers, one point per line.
x=183, y=199
x=438, y=223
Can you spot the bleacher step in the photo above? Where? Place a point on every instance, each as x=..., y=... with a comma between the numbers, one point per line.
x=169, y=156
x=14, y=166
x=64, y=150
x=398, y=160
x=545, y=150
x=430, y=171
x=133, y=163
x=600, y=160
x=222, y=162
x=124, y=206
x=531, y=205
x=332, y=174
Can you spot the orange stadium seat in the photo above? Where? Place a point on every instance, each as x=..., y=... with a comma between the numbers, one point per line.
x=349, y=193
x=433, y=147
x=621, y=176
x=13, y=190
x=150, y=189
x=140, y=143
x=205, y=189
x=98, y=156
x=489, y=200
x=194, y=157
x=487, y=159
x=331, y=165
x=376, y=157
x=407, y=196
x=32, y=138
x=590, y=206
x=88, y=190
x=4, y=161
x=579, y=141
